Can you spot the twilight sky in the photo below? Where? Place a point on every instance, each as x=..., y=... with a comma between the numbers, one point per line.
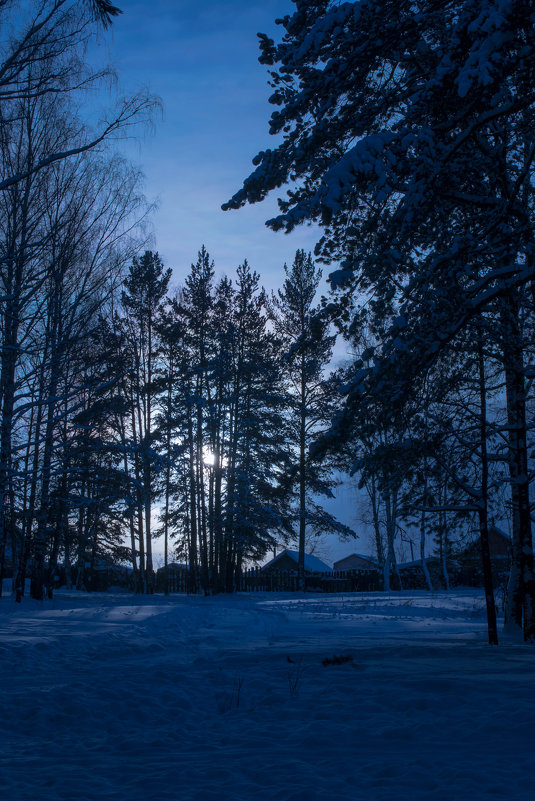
x=201, y=58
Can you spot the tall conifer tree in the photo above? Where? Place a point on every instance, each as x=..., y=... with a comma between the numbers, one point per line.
x=144, y=290
x=308, y=347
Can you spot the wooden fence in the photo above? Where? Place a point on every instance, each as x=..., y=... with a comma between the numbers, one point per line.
x=363, y=580
x=257, y=580
x=176, y=580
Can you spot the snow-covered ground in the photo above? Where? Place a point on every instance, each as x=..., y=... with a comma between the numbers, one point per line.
x=116, y=697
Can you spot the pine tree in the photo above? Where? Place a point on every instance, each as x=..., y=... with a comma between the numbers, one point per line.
x=145, y=288
x=307, y=348
x=196, y=308
x=257, y=462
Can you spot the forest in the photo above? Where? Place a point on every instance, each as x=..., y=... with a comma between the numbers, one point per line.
x=209, y=415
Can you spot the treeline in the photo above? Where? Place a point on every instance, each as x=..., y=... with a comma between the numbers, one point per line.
x=184, y=415
x=125, y=408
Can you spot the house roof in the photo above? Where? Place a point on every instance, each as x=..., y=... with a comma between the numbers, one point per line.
x=312, y=563
x=418, y=562
x=364, y=556
x=499, y=544
x=500, y=532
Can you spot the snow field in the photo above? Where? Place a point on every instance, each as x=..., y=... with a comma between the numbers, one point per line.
x=109, y=698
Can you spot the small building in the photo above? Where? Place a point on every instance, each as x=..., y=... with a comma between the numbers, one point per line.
x=467, y=568
x=356, y=561
x=499, y=543
x=500, y=546
x=288, y=560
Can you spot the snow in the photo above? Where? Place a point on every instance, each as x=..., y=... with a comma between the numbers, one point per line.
x=114, y=697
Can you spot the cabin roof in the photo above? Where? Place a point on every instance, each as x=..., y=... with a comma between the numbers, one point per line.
x=365, y=556
x=312, y=563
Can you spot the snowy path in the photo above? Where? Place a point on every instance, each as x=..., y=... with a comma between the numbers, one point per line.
x=116, y=698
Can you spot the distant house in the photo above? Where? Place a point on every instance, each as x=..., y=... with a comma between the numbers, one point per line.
x=499, y=545
x=467, y=562
x=177, y=566
x=356, y=561
x=288, y=560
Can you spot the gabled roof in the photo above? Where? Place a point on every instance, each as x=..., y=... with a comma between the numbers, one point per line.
x=312, y=563
x=418, y=562
x=499, y=543
x=364, y=556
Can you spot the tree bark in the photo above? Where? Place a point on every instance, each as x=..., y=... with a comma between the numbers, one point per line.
x=302, y=479
x=521, y=588
x=483, y=501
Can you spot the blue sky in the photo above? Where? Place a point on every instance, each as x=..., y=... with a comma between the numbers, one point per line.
x=202, y=60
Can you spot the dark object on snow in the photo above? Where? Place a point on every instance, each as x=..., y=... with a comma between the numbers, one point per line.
x=336, y=660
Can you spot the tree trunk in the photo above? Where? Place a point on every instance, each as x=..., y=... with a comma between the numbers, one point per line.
x=390, y=508
x=38, y=579
x=193, y=553
x=379, y=547
x=483, y=502
x=521, y=589
x=423, y=560
x=302, y=481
